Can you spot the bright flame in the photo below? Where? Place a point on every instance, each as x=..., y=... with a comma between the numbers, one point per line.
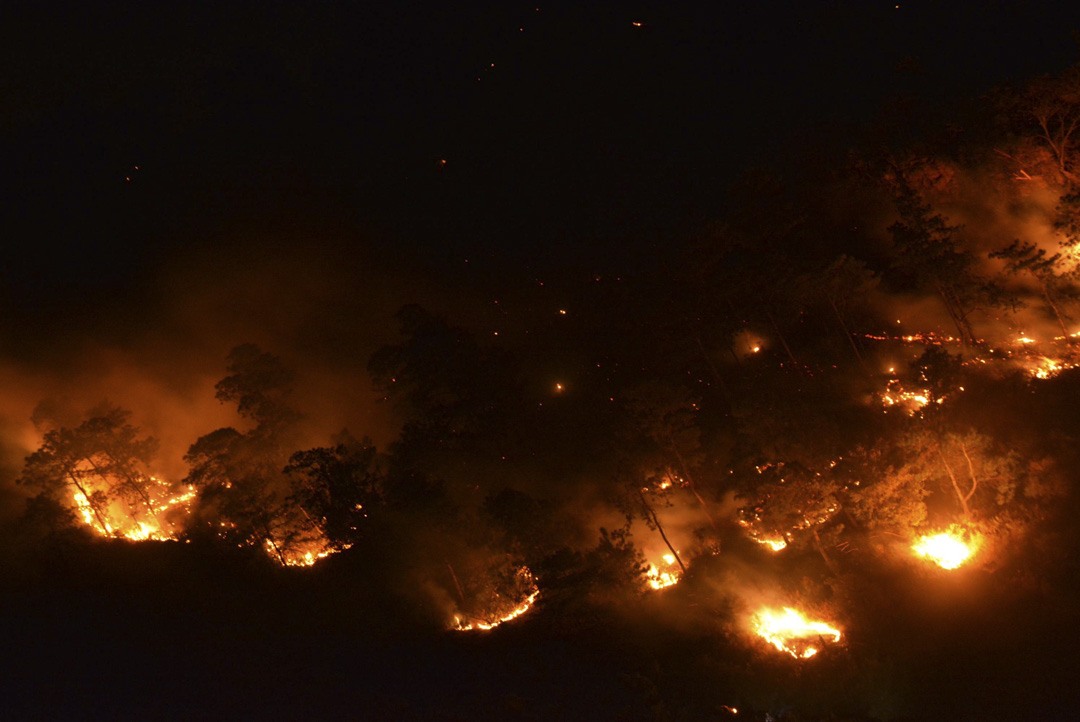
x=304, y=556
x=664, y=578
x=911, y=401
x=946, y=549
x=1045, y=368
x=124, y=521
x=513, y=614
x=774, y=544
x=789, y=631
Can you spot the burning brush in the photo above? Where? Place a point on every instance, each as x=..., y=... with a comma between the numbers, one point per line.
x=791, y=632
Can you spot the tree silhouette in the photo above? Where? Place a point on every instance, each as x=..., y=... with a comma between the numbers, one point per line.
x=927, y=248
x=101, y=462
x=337, y=487
x=243, y=490
x=1028, y=258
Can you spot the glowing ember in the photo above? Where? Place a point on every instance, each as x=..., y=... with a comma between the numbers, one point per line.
x=789, y=631
x=1045, y=368
x=513, y=614
x=910, y=401
x=947, y=549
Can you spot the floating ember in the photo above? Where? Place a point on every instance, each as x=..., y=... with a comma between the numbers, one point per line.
x=790, y=631
x=663, y=578
x=948, y=549
x=512, y=614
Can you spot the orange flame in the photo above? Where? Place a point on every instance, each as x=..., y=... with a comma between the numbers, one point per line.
x=947, y=549
x=662, y=579
x=511, y=615
x=123, y=521
x=791, y=632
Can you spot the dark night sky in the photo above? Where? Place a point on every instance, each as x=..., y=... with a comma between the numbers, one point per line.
x=325, y=123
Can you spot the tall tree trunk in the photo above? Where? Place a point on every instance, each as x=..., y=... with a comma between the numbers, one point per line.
x=457, y=584
x=660, y=528
x=821, y=550
x=1053, y=306
x=971, y=471
x=273, y=544
x=956, y=486
x=89, y=501
x=712, y=367
x=690, y=480
x=953, y=314
x=783, y=341
x=847, y=334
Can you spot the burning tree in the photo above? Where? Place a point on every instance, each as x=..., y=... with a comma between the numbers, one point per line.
x=663, y=429
x=927, y=247
x=101, y=468
x=336, y=488
x=794, y=505
x=243, y=490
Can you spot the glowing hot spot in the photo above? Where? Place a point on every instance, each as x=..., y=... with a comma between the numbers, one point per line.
x=947, y=549
x=666, y=576
x=791, y=632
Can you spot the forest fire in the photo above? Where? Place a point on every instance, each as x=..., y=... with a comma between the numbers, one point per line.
x=774, y=544
x=669, y=576
x=514, y=613
x=304, y=556
x=1045, y=368
x=791, y=632
x=115, y=518
x=947, y=549
x=911, y=401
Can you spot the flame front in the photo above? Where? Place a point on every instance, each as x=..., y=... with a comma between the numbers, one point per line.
x=946, y=549
x=512, y=614
x=305, y=555
x=790, y=631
